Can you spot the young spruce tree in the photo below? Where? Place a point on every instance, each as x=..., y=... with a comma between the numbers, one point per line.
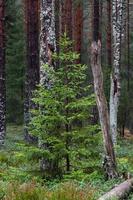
x=64, y=109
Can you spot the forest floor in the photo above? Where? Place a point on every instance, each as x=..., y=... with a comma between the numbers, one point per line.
x=20, y=177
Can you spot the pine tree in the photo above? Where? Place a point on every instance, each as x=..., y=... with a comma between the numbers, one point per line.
x=32, y=65
x=66, y=18
x=2, y=73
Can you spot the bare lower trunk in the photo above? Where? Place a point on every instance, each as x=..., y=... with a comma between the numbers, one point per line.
x=2, y=74
x=109, y=161
x=117, y=12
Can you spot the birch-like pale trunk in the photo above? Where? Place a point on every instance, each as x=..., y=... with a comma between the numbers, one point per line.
x=117, y=12
x=47, y=47
x=47, y=38
x=2, y=74
x=109, y=160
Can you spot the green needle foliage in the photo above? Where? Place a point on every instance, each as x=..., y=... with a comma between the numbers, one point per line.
x=62, y=120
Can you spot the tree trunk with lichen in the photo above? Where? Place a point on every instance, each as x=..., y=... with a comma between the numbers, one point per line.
x=2, y=74
x=47, y=38
x=32, y=68
x=117, y=23
x=47, y=47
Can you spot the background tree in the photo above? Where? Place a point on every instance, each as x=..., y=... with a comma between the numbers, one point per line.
x=15, y=62
x=109, y=159
x=32, y=64
x=117, y=13
x=2, y=73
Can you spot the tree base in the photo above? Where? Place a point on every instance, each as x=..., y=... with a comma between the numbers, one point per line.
x=109, y=168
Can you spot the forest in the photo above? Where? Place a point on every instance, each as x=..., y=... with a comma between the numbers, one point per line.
x=66, y=100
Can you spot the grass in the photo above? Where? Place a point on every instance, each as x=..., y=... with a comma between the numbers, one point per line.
x=20, y=178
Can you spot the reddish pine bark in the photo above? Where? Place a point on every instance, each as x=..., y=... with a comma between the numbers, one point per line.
x=2, y=73
x=32, y=68
x=66, y=17
x=77, y=27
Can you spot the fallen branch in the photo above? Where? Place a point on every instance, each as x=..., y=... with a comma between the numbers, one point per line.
x=120, y=191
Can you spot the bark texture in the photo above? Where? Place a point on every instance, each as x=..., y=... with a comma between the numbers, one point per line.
x=47, y=47
x=96, y=20
x=66, y=18
x=109, y=160
x=119, y=192
x=109, y=35
x=77, y=26
x=2, y=73
x=117, y=12
x=32, y=68
x=47, y=38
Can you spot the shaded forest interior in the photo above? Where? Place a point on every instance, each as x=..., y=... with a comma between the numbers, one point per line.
x=66, y=99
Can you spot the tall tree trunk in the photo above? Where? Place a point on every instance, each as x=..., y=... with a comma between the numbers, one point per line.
x=96, y=20
x=77, y=26
x=66, y=18
x=47, y=47
x=32, y=68
x=128, y=46
x=109, y=161
x=2, y=73
x=47, y=38
x=117, y=11
x=109, y=35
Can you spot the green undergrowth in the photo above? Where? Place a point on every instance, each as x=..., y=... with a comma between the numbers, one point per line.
x=20, y=176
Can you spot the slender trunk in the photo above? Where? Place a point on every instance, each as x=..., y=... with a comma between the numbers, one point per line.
x=109, y=161
x=66, y=18
x=32, y=69
x=96, y=20
x=57, y=29
x=117, y=11
x=122, y=132
x=128, y=46
x=2, y=74
x=77, y=26
x=67, y=148
x=109, y=36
